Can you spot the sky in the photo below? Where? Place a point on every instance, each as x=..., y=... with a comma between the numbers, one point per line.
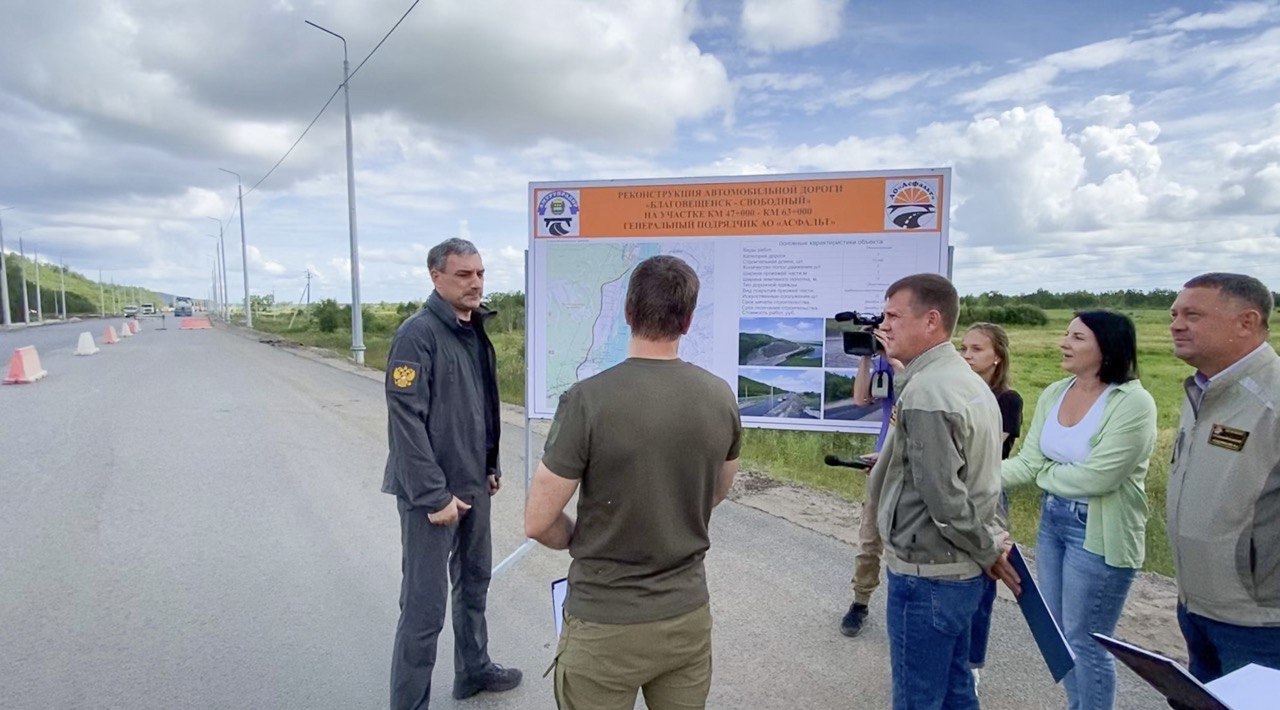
x=800, y=330
x=789, y=380
x=1094, y=145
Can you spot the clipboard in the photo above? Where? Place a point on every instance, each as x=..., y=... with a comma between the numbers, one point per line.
x=1057, y=653
x=559, y=592
x=1165, y=675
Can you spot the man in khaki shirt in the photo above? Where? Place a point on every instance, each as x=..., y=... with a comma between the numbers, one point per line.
x=654, y=443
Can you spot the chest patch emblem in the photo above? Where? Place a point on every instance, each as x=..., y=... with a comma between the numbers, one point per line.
x=1228, y=438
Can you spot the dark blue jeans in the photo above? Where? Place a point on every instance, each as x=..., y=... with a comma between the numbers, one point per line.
x=981, y=634
x=929, y=625
x=1217, y=648
x=1085, y=594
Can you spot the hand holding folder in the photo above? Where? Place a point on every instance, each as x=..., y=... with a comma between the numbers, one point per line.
x=1053, y=645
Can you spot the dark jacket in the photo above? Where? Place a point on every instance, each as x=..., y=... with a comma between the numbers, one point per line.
x=437, y=408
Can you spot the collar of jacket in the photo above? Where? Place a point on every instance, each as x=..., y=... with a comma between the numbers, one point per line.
x=1254, y=361
x=441, y=309
x=938, y=352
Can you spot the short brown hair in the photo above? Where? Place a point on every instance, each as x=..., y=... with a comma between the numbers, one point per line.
x=1241, y=288
x=661, y=296
x=930, y=292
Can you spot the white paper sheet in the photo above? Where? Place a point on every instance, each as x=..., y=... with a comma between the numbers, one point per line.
x=1253, y=687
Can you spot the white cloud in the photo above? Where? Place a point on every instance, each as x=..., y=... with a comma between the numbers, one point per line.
x=785, y=25
x=893, y=85
x=1037, y=79
x=1245, y=14
x=1105, y=110
x=1246, y=64
x=260, y=262
x=774, y=81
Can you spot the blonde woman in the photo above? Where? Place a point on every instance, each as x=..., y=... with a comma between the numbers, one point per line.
x=986, y=348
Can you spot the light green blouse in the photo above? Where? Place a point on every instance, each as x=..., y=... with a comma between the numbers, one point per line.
x=1113, y=478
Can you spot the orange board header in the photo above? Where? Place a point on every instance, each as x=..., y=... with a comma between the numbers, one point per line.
x=742, y=208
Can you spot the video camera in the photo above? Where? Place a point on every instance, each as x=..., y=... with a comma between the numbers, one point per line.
x=863, y=342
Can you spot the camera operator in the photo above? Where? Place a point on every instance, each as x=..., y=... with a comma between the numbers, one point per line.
x=866, y=566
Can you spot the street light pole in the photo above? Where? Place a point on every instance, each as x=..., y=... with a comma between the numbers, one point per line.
x=62, y=279
x=22, y=262
x=244, y=249
x=39, y=293
x=219, y=289
x=357, y=316
x=102, y=294
x=222, y=265
x=4, y=277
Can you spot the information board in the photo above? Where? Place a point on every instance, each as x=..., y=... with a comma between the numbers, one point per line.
x=777, y=256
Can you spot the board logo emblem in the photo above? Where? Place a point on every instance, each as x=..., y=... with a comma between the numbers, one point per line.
x=911, y=204
x=558, y=213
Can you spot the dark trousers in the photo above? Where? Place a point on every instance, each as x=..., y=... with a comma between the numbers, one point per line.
x=464, y=550
x=1217, y=648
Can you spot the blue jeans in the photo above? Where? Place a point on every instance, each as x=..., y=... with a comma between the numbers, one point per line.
x=1217, y=648
x=1085, y=595
x=929, y=624
x=980, y=634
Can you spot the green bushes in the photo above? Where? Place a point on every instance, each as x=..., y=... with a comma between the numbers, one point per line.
x=328, y=315
x=1012, y=314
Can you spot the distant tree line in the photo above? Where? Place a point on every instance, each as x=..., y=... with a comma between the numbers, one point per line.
x=330, y=316
x=1076, y=300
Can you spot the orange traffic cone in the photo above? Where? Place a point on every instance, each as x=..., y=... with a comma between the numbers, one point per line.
x=124, y=331
x=24, y=367
x=134, y=327
x=109, y=336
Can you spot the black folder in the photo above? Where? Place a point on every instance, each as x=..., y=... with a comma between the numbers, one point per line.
x=1165, y=675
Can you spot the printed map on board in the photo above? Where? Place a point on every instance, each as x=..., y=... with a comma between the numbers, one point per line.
x=586, y=293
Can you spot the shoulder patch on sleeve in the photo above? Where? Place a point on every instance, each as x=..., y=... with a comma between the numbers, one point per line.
x=402, y=375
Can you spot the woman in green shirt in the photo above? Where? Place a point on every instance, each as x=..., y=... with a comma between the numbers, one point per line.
x=1088, y=449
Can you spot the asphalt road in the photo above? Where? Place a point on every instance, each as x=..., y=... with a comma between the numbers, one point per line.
x=193, y=519
x=850, y=411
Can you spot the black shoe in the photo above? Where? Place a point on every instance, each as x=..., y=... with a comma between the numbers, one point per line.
x=495, y=679
x=851, y=624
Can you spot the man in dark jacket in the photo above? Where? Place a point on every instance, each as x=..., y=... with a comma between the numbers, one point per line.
x=442, y=432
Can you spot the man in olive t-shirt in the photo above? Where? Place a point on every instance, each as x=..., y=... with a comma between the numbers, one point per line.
x=654, y=443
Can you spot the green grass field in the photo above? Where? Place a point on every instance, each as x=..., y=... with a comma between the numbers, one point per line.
x=797, y=456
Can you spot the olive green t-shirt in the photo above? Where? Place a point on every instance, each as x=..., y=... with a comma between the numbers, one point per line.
x=647, y=438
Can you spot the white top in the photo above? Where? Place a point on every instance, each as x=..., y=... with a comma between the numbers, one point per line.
x=1070, y=444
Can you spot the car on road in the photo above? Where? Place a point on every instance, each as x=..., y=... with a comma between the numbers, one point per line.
x=182, y=307
x=147, y=309
x=130, y=311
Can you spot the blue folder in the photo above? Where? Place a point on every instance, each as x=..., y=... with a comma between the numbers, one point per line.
x=1048, y=635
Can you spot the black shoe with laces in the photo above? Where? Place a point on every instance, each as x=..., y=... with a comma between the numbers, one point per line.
x=495, y=679
x=851, y=624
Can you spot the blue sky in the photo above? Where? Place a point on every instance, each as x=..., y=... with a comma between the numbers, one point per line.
x=1116, y=145
x=799, y=330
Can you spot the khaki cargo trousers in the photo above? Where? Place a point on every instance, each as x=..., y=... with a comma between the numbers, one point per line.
x=603, y=666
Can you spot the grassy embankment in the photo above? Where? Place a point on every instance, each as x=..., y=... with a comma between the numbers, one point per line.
x=797, y=456
x=82, y=293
